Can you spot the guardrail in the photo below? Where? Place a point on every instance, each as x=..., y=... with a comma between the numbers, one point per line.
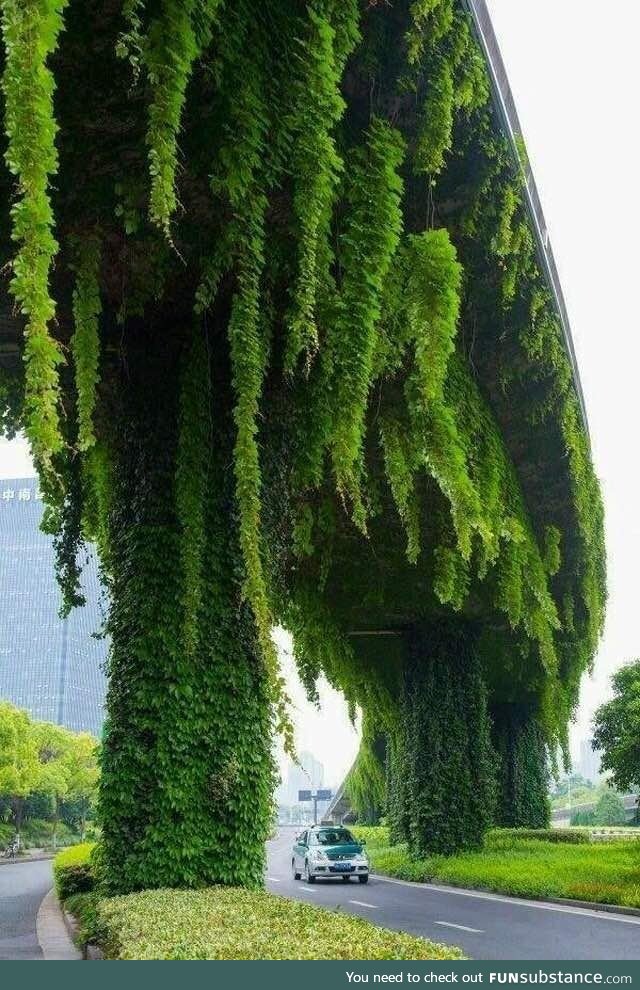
x=506, y=107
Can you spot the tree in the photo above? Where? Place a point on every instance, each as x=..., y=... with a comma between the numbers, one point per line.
x=53, y=743
x=290, y=357
x=83, y=774
x=609, y=810
x=20, y=768
x=617, y=729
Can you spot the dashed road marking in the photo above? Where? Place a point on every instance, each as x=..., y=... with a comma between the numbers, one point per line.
x=308, y=890
x=462, y=928
x=584, y=912
x=273, y=879
x=363, y=904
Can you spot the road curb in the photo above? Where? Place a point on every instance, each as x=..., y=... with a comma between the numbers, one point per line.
x=562, y=901
x=52, y=930
x=26, y=859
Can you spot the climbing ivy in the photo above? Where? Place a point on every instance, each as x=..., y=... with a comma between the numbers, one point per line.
x=523, y=774
x=442, y=746
x=365, y=784
x=319, y=379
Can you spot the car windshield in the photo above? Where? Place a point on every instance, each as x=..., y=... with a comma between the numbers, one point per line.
x=333, y=836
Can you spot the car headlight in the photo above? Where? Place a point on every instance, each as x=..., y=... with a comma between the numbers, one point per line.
x=318, y=855
x=360, y=858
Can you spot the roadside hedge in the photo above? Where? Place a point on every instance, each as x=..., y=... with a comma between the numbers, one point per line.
x=73, y=871
x=234, y=923
x=523, y=864
x=572, y=836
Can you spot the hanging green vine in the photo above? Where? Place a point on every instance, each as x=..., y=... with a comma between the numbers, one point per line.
x=316, y=167
x=176, y=38
x=85, y=343
x=368, y=243
x=30, y=32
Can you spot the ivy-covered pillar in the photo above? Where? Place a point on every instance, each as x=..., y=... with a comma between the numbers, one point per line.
x=442, y=749
x=523, y=768
x=187, y=768
x=365, y=783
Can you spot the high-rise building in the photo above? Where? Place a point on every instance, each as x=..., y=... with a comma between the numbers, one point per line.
x=589, y=763
x=51, y=666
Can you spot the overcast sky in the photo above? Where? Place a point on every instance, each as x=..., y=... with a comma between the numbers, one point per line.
x=573, y=70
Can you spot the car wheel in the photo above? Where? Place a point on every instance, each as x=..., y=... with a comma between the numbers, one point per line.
x=309, y=877
x=364, y=879
x=296, y=875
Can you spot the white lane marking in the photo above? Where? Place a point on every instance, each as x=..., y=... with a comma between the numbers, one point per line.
x=273, y=879
x=516, y=901
x=363, y=904
x=308, y=890
x=462, y=928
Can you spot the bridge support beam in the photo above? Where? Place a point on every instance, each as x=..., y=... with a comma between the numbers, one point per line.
x=523, y=768
x=441, y=783
x=187, y=766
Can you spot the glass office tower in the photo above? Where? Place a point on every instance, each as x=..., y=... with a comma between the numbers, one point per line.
x=53, y=667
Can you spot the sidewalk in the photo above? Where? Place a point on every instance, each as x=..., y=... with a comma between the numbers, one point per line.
x=53, y=933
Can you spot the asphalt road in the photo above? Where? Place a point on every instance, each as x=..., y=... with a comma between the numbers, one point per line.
x=485, y=926
x=22, y=887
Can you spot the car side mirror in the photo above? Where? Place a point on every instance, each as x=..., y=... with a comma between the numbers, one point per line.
x=363, y=842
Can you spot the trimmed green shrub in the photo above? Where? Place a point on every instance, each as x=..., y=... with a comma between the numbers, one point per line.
x=232, y=923
x=568, y=835
x=73, y=870
x=85, y=909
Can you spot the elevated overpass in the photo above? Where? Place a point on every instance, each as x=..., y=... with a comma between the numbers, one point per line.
x=561, y=817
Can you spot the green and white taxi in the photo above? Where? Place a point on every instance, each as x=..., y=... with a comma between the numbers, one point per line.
x=329, y=852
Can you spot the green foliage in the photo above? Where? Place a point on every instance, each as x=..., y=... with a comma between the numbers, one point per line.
x=73, y=871
x=44, y=763
x=441, y=384
x=130, y=41
x=367, y=246
x=443, y=746
x=317, y=165
x=617, y=729
x=569, y=836
x=187, y=769
x=609, y=810
x=582, y=818
x=84, y=908
x=365, y=782
x=19, y=765
x=30, y=30
x=175, y=39
x=523, y=769
x=85, y=343
x=190, y=482
x=220, y=923
x=523, y=866
x=436, y=133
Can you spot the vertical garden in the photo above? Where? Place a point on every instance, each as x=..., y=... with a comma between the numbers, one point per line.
x=288, y=356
